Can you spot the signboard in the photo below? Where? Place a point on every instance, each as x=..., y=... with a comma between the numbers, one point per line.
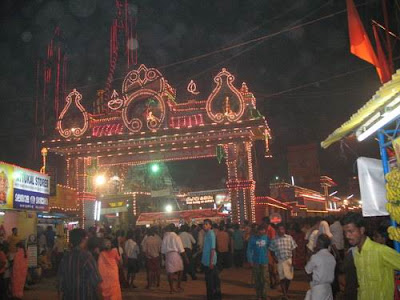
x=199, y=200
x=275, y=218
x=113, y=210
x=23, y=189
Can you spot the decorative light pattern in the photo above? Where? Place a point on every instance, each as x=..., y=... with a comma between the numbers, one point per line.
x=76, y=97
x=227, y=113
x=192, y=88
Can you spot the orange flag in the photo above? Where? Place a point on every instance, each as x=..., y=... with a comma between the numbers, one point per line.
x=383, y=68
x=360, y=44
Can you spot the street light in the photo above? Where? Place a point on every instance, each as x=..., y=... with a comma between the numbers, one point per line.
x=155, y=168
x=99, y=180
x=168, y=208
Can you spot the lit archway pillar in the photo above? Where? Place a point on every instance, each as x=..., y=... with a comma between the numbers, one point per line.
x=77, y=179
x=240, y=183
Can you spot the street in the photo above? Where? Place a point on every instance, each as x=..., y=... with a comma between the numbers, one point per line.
x=235, y=284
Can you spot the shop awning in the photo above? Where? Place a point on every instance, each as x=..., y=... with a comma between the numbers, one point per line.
x=382, y=97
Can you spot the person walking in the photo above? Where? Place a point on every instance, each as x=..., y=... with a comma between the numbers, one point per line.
x=188, y=241
x=19, y=271
x=375, y=263
x=322, y=268
x=223, y=245
x=151, y=248
x=131, y=252
x=172, y=248
x=109, y=261
x=257, y=256
x=283, y=246
x=78, y=274
x=209, y=261
x=238, y=246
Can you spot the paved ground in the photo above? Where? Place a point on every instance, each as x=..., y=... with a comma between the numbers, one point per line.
x=235, y=284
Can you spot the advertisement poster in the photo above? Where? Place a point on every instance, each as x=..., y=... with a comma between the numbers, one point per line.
x=23, y=189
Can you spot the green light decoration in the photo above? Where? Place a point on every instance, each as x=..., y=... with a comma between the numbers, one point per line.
x=152, y=102
x=155, y=168
x=255, y=114
x=220, y=153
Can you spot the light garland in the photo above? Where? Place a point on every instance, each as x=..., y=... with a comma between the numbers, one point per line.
x=75, y=131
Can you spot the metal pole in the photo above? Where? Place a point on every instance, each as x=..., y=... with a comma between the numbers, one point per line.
x=385, y=163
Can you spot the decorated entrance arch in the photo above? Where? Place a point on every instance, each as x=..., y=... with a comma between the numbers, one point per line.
x=145, y=123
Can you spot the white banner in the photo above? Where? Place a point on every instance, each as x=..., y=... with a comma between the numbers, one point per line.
x=372, y=187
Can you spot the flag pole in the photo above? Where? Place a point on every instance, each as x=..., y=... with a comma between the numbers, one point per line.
x=388, y=42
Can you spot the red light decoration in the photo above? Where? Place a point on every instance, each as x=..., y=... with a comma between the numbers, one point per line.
x=107, y=130
x=219, y=105
x=75, y=97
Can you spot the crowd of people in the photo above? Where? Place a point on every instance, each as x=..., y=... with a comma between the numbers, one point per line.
x=346, y=258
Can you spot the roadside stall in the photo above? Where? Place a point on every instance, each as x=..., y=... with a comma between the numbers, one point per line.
x=380, y=116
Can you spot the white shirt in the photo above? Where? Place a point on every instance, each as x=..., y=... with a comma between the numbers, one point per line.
x=171, y=243
x=187, y=239
x=337, y=232
x=322, y=266
x=324, y=228
x=312, y=240
x=131, y=249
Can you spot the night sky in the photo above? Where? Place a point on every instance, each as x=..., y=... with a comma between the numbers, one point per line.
x=305, y=80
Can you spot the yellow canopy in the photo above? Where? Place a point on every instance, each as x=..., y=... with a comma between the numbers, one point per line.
x=382, y=97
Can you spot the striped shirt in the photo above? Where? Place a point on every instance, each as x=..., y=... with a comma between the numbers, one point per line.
x=78, y=276
x=375, y=266
x=283, y=247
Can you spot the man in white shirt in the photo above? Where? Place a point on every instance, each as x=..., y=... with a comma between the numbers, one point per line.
x=131, y=250
x=322, y=267
x=172, y=248
x=337, y=237
x=188, y=241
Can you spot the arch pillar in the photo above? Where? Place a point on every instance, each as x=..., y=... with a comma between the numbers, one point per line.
x=240, y=182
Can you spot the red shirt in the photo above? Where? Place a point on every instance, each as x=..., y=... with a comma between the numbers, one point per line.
x=270, y=232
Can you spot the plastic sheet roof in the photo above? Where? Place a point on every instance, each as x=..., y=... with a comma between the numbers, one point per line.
x=382, y=97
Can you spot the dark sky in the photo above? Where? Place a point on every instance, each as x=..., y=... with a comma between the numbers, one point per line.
x=316, y=55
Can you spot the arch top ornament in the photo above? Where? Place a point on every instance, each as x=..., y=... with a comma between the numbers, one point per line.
x=225, y=102
x=73, y=120
x=143, y=77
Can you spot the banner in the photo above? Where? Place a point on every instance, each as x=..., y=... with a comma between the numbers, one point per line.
x=372, y=187
x=23, y=189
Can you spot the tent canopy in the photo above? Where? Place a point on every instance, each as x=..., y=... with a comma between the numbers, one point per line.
x=382, y=97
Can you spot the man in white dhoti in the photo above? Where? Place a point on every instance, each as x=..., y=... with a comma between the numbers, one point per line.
x=322, y=267
x=172, y=248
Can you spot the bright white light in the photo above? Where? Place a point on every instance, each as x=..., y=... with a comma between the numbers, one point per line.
x=345, y=202
x=351, y=196
x=100, y=180
x=292, y=180
x=115, y=178
x=98, y=211
x=147, y=225
x=334, y=193
x=386, y=118
x=2, y=213
x=168, y=208
x=117, y=214
x=276, y=177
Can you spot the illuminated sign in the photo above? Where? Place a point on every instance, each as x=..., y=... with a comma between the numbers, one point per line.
x=107, y=130
x=23, y=189
x=199, y=200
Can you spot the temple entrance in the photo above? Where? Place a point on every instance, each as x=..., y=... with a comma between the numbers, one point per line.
x=145, y=124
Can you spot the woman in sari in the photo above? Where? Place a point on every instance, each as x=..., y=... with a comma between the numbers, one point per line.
x=109, y=261
x=19, y=272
